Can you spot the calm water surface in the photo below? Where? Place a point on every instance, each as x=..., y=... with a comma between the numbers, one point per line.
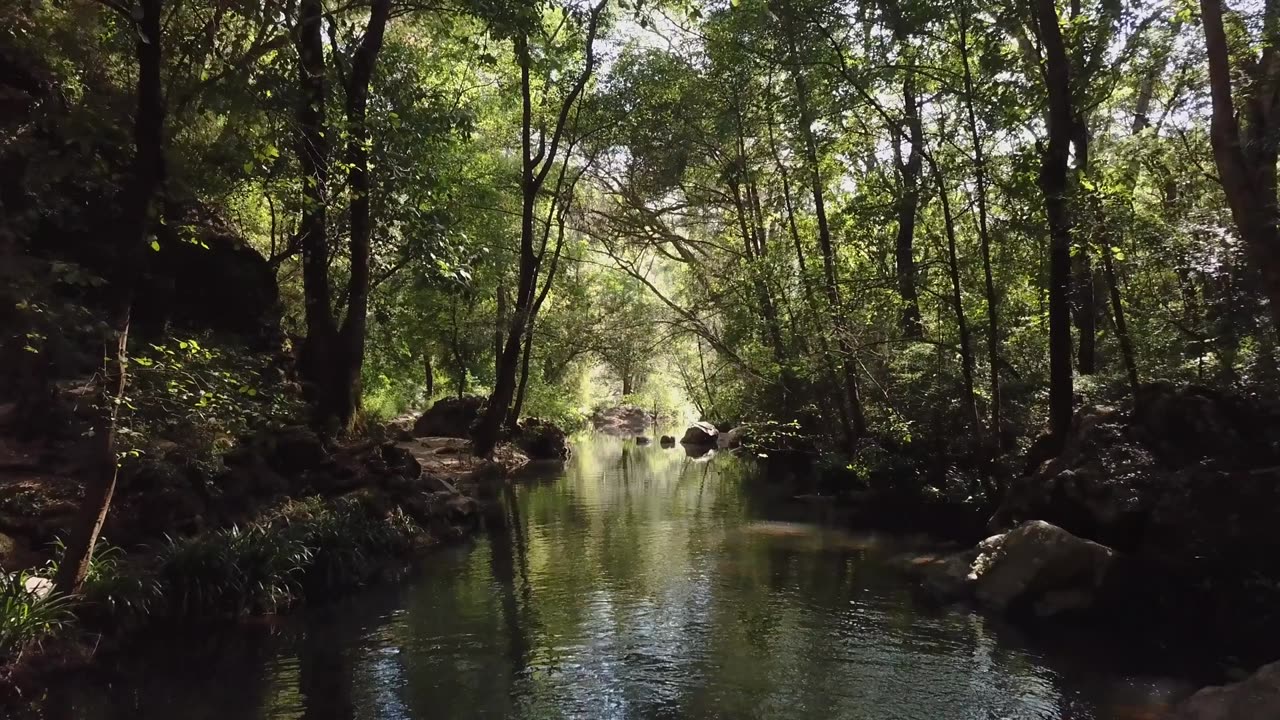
x=636, y=584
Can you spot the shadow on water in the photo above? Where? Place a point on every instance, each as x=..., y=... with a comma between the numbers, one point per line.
x=637, y=583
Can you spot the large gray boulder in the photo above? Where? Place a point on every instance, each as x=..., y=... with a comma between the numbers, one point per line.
x=450, y=417
x=1257, y=697
x=1036, y=567
x=700, y=434
x=1040, y=567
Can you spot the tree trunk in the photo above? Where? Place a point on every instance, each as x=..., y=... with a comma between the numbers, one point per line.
x=768, y=311
x=1122, y=327
x=501, y=323
x=806, y=284
x=1084, y=288
x=1084, y=310
x=513, y=418
x=1053, y=183
x=957, y=299
x=317, y=360
x=137, y=204
x=535, y=166
x=984, y=236
x=455, y=348
x=907, y=207
x=517, y=406
x=428, y=374
x=1246, y=160
x=350, y=352
x=850, y=395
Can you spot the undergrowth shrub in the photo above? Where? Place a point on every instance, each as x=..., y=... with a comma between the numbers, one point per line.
x=306, y=548
x=28, y=616
x=203, y=396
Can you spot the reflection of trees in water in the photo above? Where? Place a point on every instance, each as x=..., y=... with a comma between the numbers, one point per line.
x=632, y=585
x=170, y=675
x=324, y=676
x=508, y=556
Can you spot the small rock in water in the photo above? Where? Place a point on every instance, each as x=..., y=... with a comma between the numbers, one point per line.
x=642, y=440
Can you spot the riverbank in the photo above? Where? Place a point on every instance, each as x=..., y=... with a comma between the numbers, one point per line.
x=1154, y=521
x=290, y=519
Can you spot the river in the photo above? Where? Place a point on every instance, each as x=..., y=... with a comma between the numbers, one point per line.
x=637, y=583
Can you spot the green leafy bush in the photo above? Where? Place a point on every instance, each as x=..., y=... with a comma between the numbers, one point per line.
x=194, y=393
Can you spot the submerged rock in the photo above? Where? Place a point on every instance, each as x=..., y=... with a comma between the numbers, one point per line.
x=450, y=417
x=667, y=441
x=700, y=434
x=1257, y=697
x=642, y=440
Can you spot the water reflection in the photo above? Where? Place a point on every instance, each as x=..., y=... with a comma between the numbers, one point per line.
x=640, y=583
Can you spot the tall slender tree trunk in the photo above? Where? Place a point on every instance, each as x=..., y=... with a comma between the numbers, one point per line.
x=350, y=350
x=957, y=298
x=1084, y=306
x=535, y=164
x=137, y=204
x=428, y=374
x=317, y=361
x=984, y=237
x=502, y=322
x=907, y=207
x=1053, y=183
x=1084, y=309
x=751, y=249
x=455, y=348
x=1117, y=317
x=811, y=301
x=850, y=391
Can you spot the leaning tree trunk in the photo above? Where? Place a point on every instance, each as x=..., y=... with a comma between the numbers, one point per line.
x=1053, y=183
x=811, y=301
x=137, y=203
